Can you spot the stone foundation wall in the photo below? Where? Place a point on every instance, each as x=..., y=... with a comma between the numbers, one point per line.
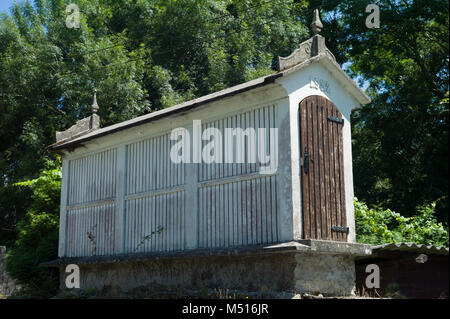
x=268, y=275
x=7, y=285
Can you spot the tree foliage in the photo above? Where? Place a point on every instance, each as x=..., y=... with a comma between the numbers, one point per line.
x=380, y=226
x=37, y=240
x=400, y=140
x=140, y=55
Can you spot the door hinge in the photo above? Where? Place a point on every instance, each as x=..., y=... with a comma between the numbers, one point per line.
x=336, y=119
x=340, y=229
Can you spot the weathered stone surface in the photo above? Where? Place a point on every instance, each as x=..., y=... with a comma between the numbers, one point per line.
x=325, y=274
x=307, y=49
x=82, y=127
x=7, y=284
x=278, y=271
x=334, y=247
x=250, y=273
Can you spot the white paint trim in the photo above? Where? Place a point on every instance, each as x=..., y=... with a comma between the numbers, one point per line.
x=155, y=193
x=120, y=199
x=91, y=204
x=348, y=180
x=191, y=209
x=63, y=208
x=284, y=188
x=295, y=169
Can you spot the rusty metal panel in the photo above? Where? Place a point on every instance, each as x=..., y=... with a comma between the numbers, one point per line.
x=91, y=192
x=155, y=223
x=154, y=201
x=149, y=166
x=90, y=230
x=92, y=178
x=237, y=204
x=242, y=212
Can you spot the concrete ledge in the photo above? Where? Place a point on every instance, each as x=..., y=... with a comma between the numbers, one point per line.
x=334, y=247
x=131, y=257
x=317, y=246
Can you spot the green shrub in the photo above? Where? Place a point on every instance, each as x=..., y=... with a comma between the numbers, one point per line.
x=379, y=226
x=38, y=236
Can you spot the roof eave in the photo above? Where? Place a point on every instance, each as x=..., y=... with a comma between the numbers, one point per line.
x=183, y=107
x=322, y=58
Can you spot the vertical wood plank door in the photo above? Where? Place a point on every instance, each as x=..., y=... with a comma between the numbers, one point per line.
x=322, y=173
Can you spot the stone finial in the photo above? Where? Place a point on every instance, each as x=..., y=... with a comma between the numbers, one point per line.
x=82, y=126
x=316, y=24
x=94, y=103
x=308, y=49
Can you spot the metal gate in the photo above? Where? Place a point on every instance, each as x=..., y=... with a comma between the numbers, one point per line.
x=322, y=173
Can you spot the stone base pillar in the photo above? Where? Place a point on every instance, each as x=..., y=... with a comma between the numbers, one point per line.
x=281, y=270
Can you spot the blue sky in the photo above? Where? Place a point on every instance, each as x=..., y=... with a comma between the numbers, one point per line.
x=5, y=5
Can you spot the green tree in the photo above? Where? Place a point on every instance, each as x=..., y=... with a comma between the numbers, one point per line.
x=202, y=46
x=400, y=140
x=38, y=236
x=47, y=76
x=380, y=226
x=140, y=55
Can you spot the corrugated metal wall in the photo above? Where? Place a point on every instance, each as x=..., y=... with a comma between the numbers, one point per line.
x=236, y=204
x=90, y=230
x=91, y=205
x=238, y=213
x=155, y=223
x=92, y=178
x=154, y=201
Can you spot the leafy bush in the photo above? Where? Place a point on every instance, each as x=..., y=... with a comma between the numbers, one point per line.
x=38, y=236
x=379, y=226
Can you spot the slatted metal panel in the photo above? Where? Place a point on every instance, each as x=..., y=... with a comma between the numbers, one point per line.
x=149, y=166
x=259, y=118
x=90, y=230
x=90, y=223
x=155, y=223
x=238, y=213
x=92, y=178
x=237, y=205
x=154, y=198
x=323, y=189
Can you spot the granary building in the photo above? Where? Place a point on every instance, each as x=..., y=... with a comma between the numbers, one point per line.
x=132, y=217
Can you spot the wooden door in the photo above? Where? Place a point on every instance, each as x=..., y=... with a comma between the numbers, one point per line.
x=322, y=170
